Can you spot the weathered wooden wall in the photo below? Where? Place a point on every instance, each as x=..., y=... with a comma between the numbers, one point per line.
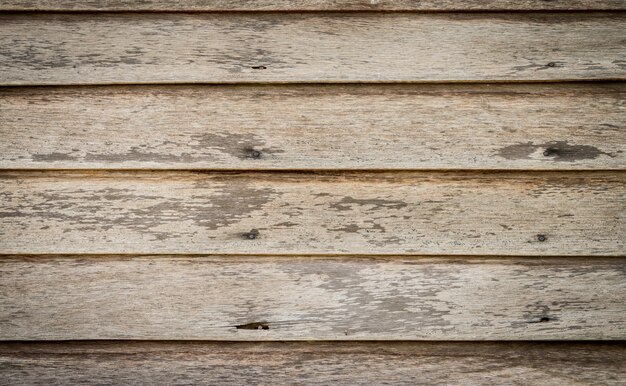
x=170, y=180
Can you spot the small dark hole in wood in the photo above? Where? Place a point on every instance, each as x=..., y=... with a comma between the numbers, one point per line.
x=259, y=67
x=551, y=64
x=550, y=151
x=541, y=238
x=253, y=326
x=543, y=319
x=253, y=234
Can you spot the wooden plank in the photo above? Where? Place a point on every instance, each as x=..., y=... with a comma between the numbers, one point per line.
x=309, y=47
x=534, y=214
x=363, y=363
x=308, y=5
x=558, y=127
x=311, y=298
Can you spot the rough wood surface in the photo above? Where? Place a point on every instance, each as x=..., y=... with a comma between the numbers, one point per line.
x=307, y=5
x=560, y=213
x=311, y=298
x=577, y=126
x=84, y=48
x=363, y=363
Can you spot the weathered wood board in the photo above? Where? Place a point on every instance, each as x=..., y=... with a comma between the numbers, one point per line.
x=363, y=363
x=510, y=213
x=309, y=47
x=311, y=298
x=307, y=5
x=559, y=127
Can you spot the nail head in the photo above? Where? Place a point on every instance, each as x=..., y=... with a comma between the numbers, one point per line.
x=541, y=237
x=251, y=235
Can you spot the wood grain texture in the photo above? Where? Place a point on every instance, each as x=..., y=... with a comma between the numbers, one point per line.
x=363, y=363
x=312, y=47
x=311, y=298
x=558, y=127
x=314, y=213
x=307, y=5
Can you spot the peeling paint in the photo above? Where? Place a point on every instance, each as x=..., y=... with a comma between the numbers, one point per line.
x=559, y=151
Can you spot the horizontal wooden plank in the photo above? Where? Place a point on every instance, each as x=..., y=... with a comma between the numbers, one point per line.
x=307, y=5
x=311, y=298
x=536, y=214
x=559, y=127
x=109, y=48
x=363, y=363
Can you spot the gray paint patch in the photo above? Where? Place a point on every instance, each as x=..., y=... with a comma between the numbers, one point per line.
x=559, y=151
x=236, y=145
x=51, y=157
x=221, y=206
x=346, y=204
